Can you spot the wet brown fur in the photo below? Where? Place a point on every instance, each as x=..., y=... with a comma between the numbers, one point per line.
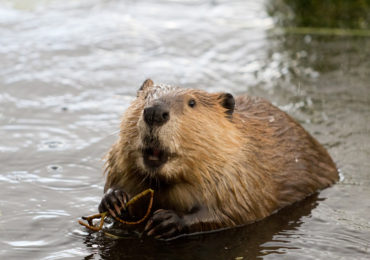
x=228, y=170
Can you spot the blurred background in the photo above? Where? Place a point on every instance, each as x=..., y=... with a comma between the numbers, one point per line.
x=69, y=68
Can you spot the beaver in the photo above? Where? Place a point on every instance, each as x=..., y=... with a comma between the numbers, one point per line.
x=214, y=161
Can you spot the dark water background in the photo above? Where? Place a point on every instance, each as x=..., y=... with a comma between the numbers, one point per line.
x=68, y=69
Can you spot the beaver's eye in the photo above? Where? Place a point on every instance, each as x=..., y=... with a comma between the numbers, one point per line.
x=191, y=103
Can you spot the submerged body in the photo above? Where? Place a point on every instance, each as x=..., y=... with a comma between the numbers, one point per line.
x=213, y=160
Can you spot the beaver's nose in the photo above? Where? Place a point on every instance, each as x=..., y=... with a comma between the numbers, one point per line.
x=156, y=115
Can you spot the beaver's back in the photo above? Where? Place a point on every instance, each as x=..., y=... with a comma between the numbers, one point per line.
x=296, y=162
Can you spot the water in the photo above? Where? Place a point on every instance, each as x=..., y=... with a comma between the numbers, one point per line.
x=68, y=69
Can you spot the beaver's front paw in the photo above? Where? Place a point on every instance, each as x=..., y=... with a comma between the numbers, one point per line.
x=113, y=201
x=165, y=224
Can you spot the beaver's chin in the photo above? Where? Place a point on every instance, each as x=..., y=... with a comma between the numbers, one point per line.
x=154, y=158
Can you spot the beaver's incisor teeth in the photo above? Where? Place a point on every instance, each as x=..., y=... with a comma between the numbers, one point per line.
x=153, y=158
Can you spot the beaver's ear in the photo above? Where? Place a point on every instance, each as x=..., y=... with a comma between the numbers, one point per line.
x=146, y=85
x=228, y=102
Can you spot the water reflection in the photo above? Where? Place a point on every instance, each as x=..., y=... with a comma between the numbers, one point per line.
x=316, y=13
x=252, y=241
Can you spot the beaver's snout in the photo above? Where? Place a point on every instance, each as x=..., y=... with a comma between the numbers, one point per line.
x=157, y=114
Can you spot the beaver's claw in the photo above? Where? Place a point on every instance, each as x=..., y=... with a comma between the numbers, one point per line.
x=113, y=201
x=165, y=224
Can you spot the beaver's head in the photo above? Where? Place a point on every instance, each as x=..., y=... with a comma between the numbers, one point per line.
x=175, y=131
